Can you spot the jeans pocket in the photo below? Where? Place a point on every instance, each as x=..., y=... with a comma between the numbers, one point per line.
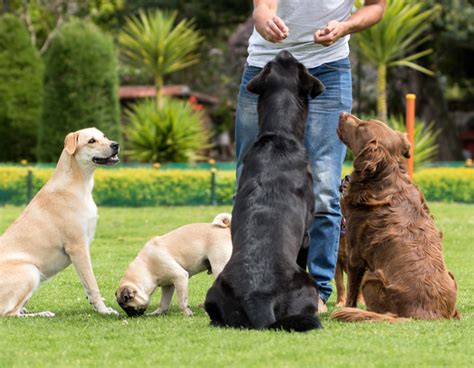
x=340, y=65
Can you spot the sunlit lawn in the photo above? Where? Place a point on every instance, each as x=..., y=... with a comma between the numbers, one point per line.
x=79, y=337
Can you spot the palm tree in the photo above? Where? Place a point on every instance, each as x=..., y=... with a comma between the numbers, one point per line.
x=394, y=41
x=153, y=43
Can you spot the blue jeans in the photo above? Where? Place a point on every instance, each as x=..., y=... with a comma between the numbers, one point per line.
x=326, y=153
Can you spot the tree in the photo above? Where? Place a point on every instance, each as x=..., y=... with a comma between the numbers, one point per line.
x=21, y=90
x=153, y=43
x=395, y=41
x=81, y=80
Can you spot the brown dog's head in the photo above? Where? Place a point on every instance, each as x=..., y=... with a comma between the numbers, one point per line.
x=284, y=71
x=132, y=300
x=372, y=142
x=91, y=148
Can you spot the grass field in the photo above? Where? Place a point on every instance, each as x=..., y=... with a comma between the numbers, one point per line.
x=79, y=337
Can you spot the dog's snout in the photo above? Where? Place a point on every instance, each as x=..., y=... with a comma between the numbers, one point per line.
x=343, y=116
x=284, y=54
x=133, y=312
x=115, y=146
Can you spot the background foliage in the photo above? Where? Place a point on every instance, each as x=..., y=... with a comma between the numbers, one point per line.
x=21, y=91
x=172, y=133
x=81, y=84
x=147, y=187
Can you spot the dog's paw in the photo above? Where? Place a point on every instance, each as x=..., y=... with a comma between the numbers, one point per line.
x=46, y=314
x=187, y=312
x=37, y=314
x=159, y=312
x=340, y=304
x=107, y=311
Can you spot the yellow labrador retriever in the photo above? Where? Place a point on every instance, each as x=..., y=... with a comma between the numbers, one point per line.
x=57, y=227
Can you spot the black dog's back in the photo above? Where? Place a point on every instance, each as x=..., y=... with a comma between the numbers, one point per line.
x=262, y=285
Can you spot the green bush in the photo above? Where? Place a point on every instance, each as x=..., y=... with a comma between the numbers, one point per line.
x=171, y=133
x=21, y=90
x=149, y=187
x=81, y=80
x=425, y=136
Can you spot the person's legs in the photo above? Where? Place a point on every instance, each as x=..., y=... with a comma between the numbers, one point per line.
x=327, y=154
x=246, y=121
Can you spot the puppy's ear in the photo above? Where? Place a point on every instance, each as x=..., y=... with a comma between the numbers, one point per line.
x=257, y=83
x=125, y=295
x=406, y=146
x=70, y=142
x=310, y=84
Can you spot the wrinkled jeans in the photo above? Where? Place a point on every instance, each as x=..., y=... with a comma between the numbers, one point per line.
x=326, y=153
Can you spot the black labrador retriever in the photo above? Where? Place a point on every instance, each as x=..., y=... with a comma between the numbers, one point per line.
x=264, y=284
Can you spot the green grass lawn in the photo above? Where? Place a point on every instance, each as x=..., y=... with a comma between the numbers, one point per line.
x=77, y=336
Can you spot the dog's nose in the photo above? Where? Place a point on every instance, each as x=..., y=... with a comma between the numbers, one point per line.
x=284, y=55
x=343, y=116
x=115, y=146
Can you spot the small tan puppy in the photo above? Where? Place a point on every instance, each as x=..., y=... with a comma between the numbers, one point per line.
x=168, y=261
x=57, y=227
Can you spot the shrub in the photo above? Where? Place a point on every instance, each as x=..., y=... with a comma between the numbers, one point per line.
x=172, y=133
x=147, y=187
x=425, y=136
x=81, y=81
x=21, y=80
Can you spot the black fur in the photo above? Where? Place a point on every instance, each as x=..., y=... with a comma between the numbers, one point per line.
x=263, y=285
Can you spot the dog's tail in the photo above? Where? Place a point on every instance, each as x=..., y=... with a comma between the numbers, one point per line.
x=222, y=220
x=359, y=315
x=298, y=323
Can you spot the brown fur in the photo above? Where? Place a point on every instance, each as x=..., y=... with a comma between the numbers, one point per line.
x=395, y=251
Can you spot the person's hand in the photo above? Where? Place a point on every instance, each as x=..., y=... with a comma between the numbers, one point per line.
x=331, y=33
x=272, y=29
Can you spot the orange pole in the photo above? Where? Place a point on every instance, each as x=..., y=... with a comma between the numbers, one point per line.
x=410, y=124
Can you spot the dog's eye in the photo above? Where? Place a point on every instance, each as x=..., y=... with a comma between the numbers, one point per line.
x=91, y=141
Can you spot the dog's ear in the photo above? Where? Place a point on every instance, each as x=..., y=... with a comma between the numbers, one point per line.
x=257, y=83
x=70, y=142
x=406, y=146
x=310, y=84
x=126, y=295
x=371, y=159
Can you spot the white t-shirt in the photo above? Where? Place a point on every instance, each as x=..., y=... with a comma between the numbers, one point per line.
x=303, y=18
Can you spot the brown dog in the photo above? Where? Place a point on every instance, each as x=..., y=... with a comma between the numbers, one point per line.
x=395, y=251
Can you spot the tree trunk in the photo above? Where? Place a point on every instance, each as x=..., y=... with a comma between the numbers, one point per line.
x=431, y=106
x=159, y=92
x=382, y=92
x=6, y=6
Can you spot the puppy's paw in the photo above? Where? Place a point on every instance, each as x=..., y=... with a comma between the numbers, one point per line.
x=187, y=312
x=107, y=311
x=159, y=312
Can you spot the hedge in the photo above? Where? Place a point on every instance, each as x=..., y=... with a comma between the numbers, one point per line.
x=148, y=187
x=80, y=87
x=130, y=187
x=21, y=91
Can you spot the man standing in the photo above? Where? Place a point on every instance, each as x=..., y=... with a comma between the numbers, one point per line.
x=317, y=33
